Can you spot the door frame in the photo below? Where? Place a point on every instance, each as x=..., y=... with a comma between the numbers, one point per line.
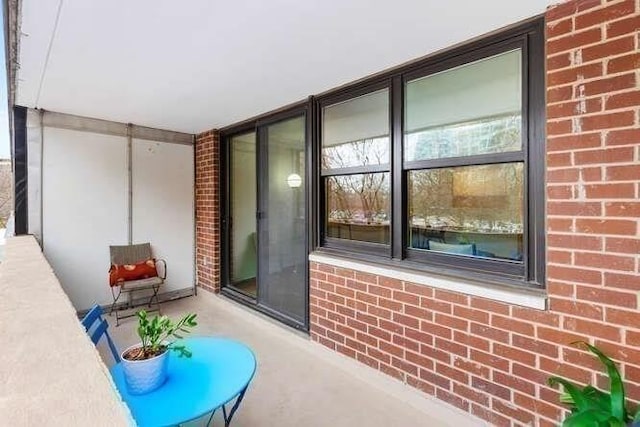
x=258, y=125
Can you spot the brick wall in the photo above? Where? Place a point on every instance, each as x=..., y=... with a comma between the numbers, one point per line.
x=493, y=359
x=208, y=210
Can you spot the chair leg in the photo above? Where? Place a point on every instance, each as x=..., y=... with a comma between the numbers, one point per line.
x=155, y=297
x=113, y=306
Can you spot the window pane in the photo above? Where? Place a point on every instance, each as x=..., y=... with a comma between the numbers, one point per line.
x=356, y=132
x=471, y=210
x=242, y=239
x=469, y=110
x=357, y=207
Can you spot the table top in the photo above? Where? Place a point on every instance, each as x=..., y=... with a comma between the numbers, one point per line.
x=217, y=372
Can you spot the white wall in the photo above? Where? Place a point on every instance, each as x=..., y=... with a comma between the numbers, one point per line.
x=84, y=209
x=163, y=206
x=86, y=203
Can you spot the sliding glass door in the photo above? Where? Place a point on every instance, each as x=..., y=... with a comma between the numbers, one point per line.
x=265, y=219
x=283, y=254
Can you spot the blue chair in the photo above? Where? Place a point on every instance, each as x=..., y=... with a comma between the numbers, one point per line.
x=95, y=332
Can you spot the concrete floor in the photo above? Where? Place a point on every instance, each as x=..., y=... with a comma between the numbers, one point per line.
x=300, y=383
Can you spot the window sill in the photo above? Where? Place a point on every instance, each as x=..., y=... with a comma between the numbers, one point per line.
x=526, y=297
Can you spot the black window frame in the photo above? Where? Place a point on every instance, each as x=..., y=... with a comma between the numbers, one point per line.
x=357, y=246
x=529, y=38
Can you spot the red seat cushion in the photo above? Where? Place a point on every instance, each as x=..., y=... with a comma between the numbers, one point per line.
x=125, y=272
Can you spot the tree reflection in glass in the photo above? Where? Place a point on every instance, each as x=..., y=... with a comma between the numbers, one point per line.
x=358, y=207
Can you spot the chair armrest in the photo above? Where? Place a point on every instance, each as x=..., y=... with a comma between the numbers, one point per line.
x=162, y=273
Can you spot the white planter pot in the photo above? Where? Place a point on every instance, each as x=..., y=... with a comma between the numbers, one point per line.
x=144, y=376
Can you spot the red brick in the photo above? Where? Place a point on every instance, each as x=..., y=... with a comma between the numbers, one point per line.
x=558, y=28
x=561, y=60
x=452, y=373
x=470, y=314
x=574, y=208
x=607, y=155
x=472, y=367
x=620, y=245
x=421, y=385
x=555, y=160
x=608, y=49
x=570, y=75
x=558, y=94
x=574, y=40
x=390, y=283
x=574, y=108
x=513, y=412
x=535, y=346
x=622, y=281
x=537, y=406
x=406, y=298
x=622, y=317
x=490, y=333
x=589, y=328
x=623, y=26
x=610, y=84
x=623, y=173
x=419, y=290
x=608, y=121
x=417, y=336
x=490, y=360
x=489, y=305
x=577, y=308
x=606, y=14
x=435, y=379
x=570, y=241
x=606, y=226
x=536, y=316
x=452, y=322
x=512, y=353
x=623, y=100
x=513, y=382
x=559, y=127
x=471, y=341
x=558, y=336
x=604, y=261
x=491, y=388
x=419, y=360
x=471, y=394
x=452, y=399
x=623, y=137
x=452, y=297
x=563, y=10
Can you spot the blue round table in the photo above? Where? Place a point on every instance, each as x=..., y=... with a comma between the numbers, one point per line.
x=219, y=371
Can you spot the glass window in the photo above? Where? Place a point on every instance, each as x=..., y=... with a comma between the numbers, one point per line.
x=357, y=207
x=469, y=110
x=444, y=168
x=356, y=132
x=355, y=166
x=471, y=210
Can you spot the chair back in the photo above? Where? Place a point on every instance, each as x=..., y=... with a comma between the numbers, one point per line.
x=96, y=327
x=130, y=254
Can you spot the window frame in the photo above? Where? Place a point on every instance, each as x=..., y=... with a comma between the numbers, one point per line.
x=529, y=38
x=334, y=243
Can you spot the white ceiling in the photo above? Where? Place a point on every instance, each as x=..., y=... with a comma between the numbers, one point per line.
x=196, y=65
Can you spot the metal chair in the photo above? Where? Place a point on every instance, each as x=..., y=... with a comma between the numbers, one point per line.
x=133, y=254
x=95, y=333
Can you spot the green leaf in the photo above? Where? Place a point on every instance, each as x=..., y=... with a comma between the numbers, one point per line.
x=581, y=401
x=588, y=418
x=617, y=387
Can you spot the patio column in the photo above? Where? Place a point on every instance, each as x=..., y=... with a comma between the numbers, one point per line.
x=207, y=175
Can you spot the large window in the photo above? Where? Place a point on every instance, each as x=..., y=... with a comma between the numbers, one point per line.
x=438, y=166
x=355, y=158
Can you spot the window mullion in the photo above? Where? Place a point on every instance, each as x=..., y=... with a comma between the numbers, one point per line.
x=398, y=220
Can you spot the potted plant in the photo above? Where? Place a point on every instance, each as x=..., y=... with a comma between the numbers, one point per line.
x=592, y=407
x=145, y=364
